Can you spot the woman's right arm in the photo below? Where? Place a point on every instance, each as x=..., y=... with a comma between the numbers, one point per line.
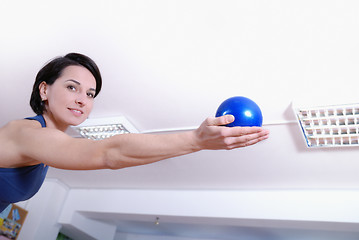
x=33, y=144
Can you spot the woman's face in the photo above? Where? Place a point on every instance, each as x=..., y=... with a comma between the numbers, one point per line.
x=69, y=100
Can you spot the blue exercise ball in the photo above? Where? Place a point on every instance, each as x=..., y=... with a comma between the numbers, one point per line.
x=245, y=111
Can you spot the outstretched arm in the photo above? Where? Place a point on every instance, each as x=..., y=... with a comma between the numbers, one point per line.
x=56, y=149
x=210, y=135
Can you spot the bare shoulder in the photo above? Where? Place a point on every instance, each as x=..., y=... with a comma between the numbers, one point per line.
x=27, y=133
x=12, y=129
x=18, y=124
x=10, y=135
x=27, y=143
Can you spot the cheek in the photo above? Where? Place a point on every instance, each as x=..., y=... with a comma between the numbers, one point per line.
x=59, y=95
x=58, y=100
x=90, y=104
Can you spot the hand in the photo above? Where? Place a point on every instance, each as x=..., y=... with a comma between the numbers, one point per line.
x=212, y=134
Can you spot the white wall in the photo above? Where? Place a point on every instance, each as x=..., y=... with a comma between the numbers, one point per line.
x=294, y=205
x=87, y=214
x=43, y=212
x=325, y=214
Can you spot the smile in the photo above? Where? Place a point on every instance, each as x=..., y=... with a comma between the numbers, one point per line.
x=76, y=112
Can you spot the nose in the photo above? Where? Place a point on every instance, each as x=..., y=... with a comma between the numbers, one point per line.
x=80, y=100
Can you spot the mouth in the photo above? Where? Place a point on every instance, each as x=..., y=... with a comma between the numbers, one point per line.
x=76, y=112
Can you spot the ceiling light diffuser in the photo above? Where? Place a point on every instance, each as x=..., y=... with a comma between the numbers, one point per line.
x=101, y=128
x=329, y=126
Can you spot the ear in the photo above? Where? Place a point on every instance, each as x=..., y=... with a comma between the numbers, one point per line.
x=43, y=91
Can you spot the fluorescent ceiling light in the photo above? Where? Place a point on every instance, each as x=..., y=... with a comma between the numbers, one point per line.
x=329, y=126
x=101, y=128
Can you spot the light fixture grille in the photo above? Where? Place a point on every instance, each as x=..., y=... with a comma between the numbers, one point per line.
x=102, y=131
x=330, y=126
x=102, y=128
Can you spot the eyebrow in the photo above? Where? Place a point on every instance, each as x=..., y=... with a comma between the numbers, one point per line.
x=78, y=83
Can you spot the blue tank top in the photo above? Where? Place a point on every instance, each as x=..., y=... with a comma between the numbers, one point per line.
x=20, y=184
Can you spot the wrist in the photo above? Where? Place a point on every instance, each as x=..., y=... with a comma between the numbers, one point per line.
x=193, y=141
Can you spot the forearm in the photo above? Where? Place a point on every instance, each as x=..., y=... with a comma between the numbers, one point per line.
x=138, y=149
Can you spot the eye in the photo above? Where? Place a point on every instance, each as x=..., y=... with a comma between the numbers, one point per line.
x=71, y=87
x=91, y=95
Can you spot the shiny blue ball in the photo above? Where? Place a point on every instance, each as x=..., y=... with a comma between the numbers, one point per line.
x=245, y=111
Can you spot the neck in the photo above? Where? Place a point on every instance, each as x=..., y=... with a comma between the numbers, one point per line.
x=52, y=123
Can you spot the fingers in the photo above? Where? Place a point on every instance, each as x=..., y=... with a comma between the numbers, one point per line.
x=240, y=131
x=234, y=131
x=220, y=121
x=249, y=143
x=246, y=139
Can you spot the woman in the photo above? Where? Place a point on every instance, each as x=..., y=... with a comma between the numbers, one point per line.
x=63, y=95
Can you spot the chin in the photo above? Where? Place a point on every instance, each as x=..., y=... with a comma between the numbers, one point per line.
x=74, y=121
x=78, y=122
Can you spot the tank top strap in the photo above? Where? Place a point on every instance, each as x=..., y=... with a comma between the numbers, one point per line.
x=38, y=118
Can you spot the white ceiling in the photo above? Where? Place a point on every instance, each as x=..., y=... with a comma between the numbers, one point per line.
x=167, y=65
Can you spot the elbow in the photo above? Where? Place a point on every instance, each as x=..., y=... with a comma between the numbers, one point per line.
x=112, y=161
x=109, y=162
x=108, y=156
x=113, y=158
